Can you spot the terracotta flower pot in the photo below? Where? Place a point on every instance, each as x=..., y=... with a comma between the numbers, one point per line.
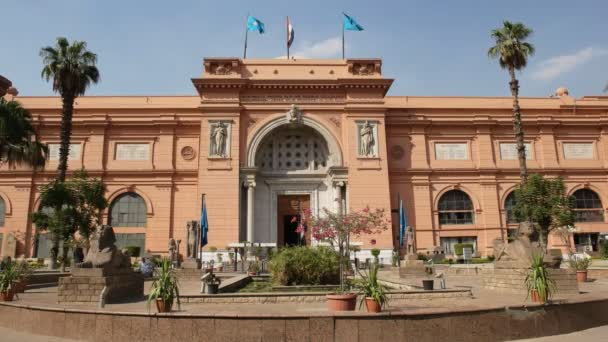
x=372, y=305
x=20, y=286
x=581, y=276
x=164, y=305
x=536, y=297
x=7, y=296
x=341, y=302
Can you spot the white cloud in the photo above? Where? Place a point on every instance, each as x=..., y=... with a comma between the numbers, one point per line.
x=555, y=66
x=331, y=47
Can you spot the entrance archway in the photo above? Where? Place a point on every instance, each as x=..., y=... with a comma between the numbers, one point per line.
x=288, y=162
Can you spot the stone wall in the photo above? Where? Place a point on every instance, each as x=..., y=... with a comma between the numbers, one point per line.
x=395, y=297
x=493, y=324
x=78, y=289
x=512, y=280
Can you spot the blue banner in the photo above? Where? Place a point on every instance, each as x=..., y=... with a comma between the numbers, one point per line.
x=204, y=223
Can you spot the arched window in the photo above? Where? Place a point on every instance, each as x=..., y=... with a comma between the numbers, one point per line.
x=455, y=207
x=128, y=210
x=509, y=205
x=2, y=211
x=587, y=206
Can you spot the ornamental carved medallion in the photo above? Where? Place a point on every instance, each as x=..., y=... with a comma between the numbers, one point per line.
x=188, y=153
x=397, y=152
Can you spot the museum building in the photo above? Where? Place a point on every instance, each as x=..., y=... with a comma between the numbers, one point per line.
x=265, y=139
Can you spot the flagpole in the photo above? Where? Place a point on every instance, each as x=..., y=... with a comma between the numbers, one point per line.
x=343, y=41
x=287, y=36
x=246, y=34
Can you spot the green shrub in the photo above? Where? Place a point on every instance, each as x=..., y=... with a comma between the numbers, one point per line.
x=305, y=266
x=460, y=246
x=491, y=258
x=604, y=249
x=422, y=257
x=134, y=251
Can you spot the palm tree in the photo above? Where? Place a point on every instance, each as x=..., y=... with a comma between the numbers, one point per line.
x=72, y=68
x=18, y=140
x=512, y=52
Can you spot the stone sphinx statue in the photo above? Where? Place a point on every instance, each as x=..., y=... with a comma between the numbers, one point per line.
x=518, y=253
x=103, y=252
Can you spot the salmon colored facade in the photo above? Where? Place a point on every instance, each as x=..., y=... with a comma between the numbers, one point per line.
x=266, y=137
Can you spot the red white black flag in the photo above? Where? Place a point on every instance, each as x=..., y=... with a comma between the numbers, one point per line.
x=290, y=33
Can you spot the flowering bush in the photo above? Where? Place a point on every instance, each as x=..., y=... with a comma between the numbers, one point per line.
x=338, y=228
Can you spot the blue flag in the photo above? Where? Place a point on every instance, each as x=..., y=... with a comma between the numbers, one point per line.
x=402, y=223
x=254, y=24
x=204, y=224
x=350, y=24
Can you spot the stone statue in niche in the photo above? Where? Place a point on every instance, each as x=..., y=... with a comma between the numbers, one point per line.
x=193, y=237
x=294, y=115
x=172, y=250
x=218, y=136
x=367, y=139
x=410, y=241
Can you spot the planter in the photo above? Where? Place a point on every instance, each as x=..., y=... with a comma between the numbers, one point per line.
x=213, y=288
x=581, y=276
x=7, y=296
x=372, y=305
x=252, y=274
x=536, y=297
x=20, y=286
x=341, y=302
x=164, y=305
x=427, y=284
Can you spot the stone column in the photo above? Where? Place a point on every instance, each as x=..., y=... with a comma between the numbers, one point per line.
x=250, y=209
x=338, y=191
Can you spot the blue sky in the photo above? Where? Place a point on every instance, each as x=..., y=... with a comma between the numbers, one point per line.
x=430, y=47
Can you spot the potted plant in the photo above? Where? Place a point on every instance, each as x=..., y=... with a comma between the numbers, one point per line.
x=8, y=278
x=538, y=281
x=220, y=264
x=337, y=229
x=213, y=284
x=373, y=293
x=253, y=268
x=580, y=263
x=165, y=288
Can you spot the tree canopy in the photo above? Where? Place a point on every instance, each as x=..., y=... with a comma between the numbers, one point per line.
x=545, y=203
x=511, y=47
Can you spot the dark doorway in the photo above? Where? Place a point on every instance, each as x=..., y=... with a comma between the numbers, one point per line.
x=289, y=214
x=290, y=225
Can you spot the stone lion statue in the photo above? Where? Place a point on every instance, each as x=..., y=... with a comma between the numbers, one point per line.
x=104, y=253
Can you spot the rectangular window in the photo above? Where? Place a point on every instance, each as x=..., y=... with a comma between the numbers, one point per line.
x=578, y=151
x=74, y=153
x=454, y=151
x=508, y=151
x=132, y=152
x=447, y=243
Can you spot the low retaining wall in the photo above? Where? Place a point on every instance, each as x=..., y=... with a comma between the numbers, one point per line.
x=497, y=324
x=86, y=285
x=512, y=280
x=314, y=297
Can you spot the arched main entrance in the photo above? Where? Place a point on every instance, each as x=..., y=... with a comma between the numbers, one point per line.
x=292, y=167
